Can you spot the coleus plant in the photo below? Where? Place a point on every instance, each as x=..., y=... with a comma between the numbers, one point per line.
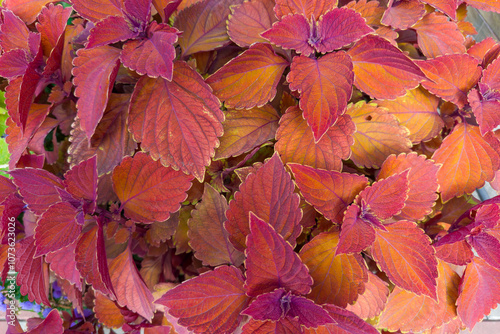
x=261, y=166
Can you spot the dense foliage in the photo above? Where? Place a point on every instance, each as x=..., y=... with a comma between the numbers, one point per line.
x=260, y=166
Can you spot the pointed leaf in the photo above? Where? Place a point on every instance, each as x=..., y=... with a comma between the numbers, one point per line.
x=272, y=263
x=111, y=30
x=269, y=194
x=308, y=8
x=111, y=140
x=211, y=302
x=38, y=188
x=487, y=247
x=292, y=32
x=178, y=122
x=13, y=32
x=91, y=261
x=62, y=263
x=417, y=111
x=52, y=323
x=485, y=110
x=381, y=70
x=378, y=135
x=95, y=72
x=108, y=312
x=51, y=24
x=437, y=36
x=97, y=10
x=330, y=192
x=81, y=181
x=404, y=253
x=325, y=86
x=422, y=179
x=486, y=5
x=131, y=291
x=479, y=290
x=204, y=25
x=452, y=75
x=238, y=83
x=340, y=27
x=468, y=161
x=32, y=273
x=154, y=55
x=356, y=233
x=308, y=313
x=346, y=322
x=248, y=20
x=246, y=129
x=403, y=14
x=295, y=141
x=57, y=228
x=207, y=235
x=490, y=75
x=337, y=279
x=449, y=7
x=372, y=302
x=147, y=190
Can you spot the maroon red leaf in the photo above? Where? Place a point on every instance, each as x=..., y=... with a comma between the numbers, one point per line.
x=147, y=190
x=178, y=122
x=32, y=273
x=130, y=289
x=38, y=188
x=81, y=181
x=95, y=72
x=97, y=10
x=325, y=87
x=269, y=193
x=292, y=32
x=57, y=228
x=487, y=247
x=62, y=263
x=51, y=24
x=458, y=253
x=282, y=326
x=110, y=30
x=53, y=323
x=211, y=302
x=272, y=263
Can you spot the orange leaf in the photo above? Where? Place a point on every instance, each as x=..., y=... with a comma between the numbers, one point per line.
x=372, y=302
x=269, y=194
x=449, y=7
x=147, y=190
x=249, y=20
x=308, y=8
x=207, y=234
x=406, y=311
x=371, y=11
x=486, y=5
x=130, y=289
x=382, y=70
x=27, y=10
x=250, y=79
x=437, y=36
x=107, y=312
x=417, y=111
x=378, y=135
x=479, y=291
x=203, y=25
x=422, y=183
x=452, y=76
x=403, y=14
x=405, y=254
x=468, y=161
x=325, y=87
x=178, y=122
x=295, y=141
x=337, y=279
x=330, y=192
x=491, y=74
x=246, y=129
